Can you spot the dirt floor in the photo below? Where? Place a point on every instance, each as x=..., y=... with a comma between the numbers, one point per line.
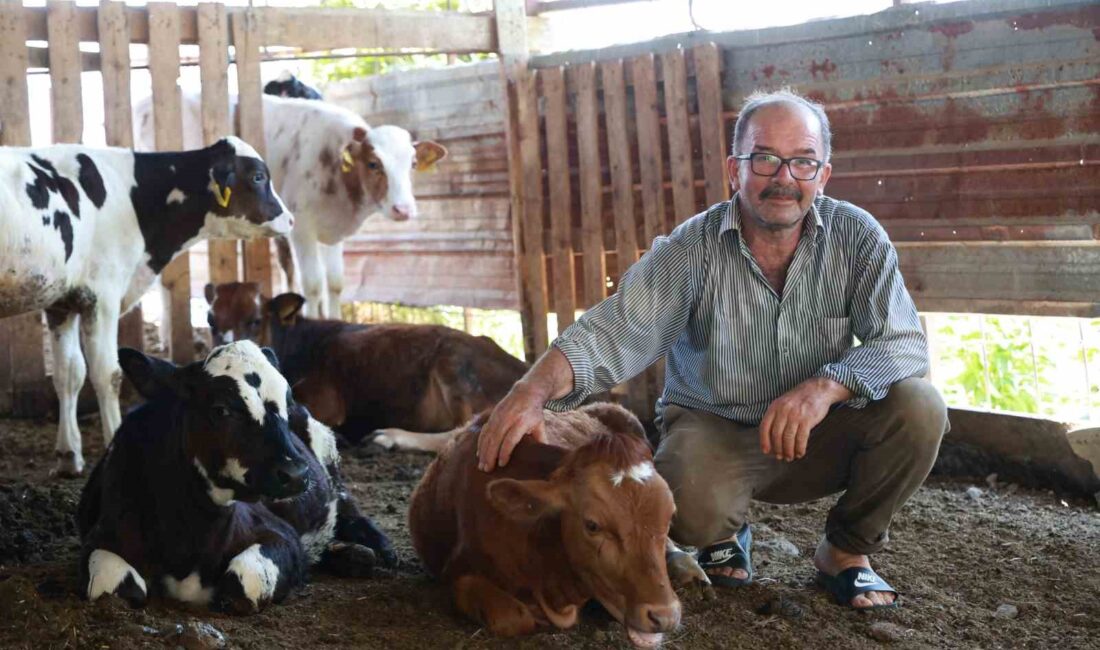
x=1006, y=568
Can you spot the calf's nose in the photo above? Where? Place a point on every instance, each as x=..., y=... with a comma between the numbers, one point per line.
x=290, y=477
x=662, y=618
x=402, y=211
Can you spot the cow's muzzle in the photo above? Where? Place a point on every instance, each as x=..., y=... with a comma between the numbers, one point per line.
x=287, y=478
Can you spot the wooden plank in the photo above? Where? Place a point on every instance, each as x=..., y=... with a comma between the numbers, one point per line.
x=19, y=334
x=65, y=99
x=618, y=147
x=533, y=253
x=582, y=78
x=674, y=67
x=622, y=193
x=649, y=146
x=247, y=31
x=114, y=48
x=511, y=32
x=712, y=131
x=561, y=200
x=164, y=69
x=213, y=28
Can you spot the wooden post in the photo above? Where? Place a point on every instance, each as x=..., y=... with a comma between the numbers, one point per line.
x=23, y=385
x=65, y=99
x=164, y=68
x=582, y=78
x=213, y=27
x=524, y=173
x=114, y=56
x=250, y=117
x=712, y=131
x=679, y=136
x=561, y=201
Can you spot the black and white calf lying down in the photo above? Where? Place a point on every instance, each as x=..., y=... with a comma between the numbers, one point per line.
x=84, y=231
x=219, y=490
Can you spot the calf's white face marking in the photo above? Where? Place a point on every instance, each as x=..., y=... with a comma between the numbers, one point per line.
x=220, y=496
x=639, y=473
x=258, y=382
x=106, y=571
x=258, y=575
x=175, y=196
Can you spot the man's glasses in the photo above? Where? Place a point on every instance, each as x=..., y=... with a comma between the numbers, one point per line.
x=767, y=164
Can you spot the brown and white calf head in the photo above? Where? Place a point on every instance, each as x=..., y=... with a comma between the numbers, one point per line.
x=236, y=311
x=378, y=163
x=614, y=513
x=233, y=419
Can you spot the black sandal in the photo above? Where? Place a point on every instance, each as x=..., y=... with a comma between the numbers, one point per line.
x=854, y=581
x=734, y=554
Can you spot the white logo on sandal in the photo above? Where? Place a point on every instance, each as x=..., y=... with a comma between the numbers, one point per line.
x=865, y=579
x=719, y=556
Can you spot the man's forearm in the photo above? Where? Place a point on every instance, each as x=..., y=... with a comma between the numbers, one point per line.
x=551, y=377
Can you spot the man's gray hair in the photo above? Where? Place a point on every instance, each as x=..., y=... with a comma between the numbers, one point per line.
x=758, y=99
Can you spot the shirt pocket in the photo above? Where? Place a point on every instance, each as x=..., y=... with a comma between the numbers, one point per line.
x=836, y=337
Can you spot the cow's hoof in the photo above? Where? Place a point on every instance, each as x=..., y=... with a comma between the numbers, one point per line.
x=684, y=570
x=350, y=560
x=67, y=466
x=382, y=439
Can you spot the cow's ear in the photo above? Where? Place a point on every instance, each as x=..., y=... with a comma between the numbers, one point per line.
x=428, y=153
x=286, y=306
x=616, y=418
x=208, y=291
x=271, y=358
x=525, y=502
x=152, y=377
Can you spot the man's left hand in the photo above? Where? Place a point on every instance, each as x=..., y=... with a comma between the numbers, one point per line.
x=785, y=429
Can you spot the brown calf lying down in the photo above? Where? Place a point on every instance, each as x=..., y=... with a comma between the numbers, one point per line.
x=359, y=378
x=583, y=517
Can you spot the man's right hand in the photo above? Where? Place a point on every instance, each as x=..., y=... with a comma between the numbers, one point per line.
x=515, y=416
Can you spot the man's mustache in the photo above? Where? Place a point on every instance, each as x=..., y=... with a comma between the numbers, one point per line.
x=782, y=192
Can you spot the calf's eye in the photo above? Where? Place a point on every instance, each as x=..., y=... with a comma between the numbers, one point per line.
x=591, y=526
x=220, y=411
x=259, y=178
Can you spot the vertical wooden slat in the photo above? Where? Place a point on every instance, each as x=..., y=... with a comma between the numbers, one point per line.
x=22, y=370
x=679, y=136
x=651, y=171
x=164, y=68
x=712, y=132
x=65, y=99
x=582, y=78
x=213, y=29
x=511, y=25
x=114, y=53
x=561, y=200
x=649, y=146
x=533, y=253
x=250, y=113
x=622, y=193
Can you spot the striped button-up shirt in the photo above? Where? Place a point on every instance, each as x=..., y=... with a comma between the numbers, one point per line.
x=733, y=344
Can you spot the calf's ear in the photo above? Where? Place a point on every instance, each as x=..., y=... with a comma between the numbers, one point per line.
x=286, y=306
x=208, y=291
x=428, y=153
x=152, y=377
x=525, y=502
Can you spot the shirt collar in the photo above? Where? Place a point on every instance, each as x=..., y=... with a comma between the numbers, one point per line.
x=732, y=219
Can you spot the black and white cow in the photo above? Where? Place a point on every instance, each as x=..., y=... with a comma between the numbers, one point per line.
x=287, y=85
x=84, y=232
x=219, y=490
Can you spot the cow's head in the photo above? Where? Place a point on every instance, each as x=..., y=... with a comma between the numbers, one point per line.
x=236, y=311
x=614, y=512
x=379, y=161
x=243, y=203
x=232, y=412
x=287, y=85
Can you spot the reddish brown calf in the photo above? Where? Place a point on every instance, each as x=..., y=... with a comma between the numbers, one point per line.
x=585, y=516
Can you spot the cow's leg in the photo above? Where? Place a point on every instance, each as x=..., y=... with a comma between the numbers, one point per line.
x=68, y=376
x=333, y=257
x=498, y=610
x=312, y=273
x=261, y=574
x=354, y=527
x=286, y=261
x=684, y=569
x=99, y=330
x=105, y=572
x=394, y=438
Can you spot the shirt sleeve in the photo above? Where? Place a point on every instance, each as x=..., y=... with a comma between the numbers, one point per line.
x=884, y=319
x=628, y=331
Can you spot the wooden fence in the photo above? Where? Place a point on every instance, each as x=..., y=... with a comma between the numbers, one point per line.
x=164, y=27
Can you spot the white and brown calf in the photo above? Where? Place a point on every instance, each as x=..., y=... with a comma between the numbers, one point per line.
x=220, y=490
x=85, y=231
x=333, y=170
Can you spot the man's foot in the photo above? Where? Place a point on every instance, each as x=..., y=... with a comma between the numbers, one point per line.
x=728, y=562
x=831, y=561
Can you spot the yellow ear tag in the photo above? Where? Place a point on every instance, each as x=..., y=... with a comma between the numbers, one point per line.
x=347, y=163
x=221, y=195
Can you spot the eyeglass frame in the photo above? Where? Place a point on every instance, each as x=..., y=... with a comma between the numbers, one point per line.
x=782, y=161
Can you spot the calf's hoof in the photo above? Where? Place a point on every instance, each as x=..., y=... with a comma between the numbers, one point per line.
x=68, y=465
x=349, y=560
x=382, y=439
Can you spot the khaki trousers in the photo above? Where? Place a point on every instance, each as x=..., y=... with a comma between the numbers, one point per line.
x=878, y=456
